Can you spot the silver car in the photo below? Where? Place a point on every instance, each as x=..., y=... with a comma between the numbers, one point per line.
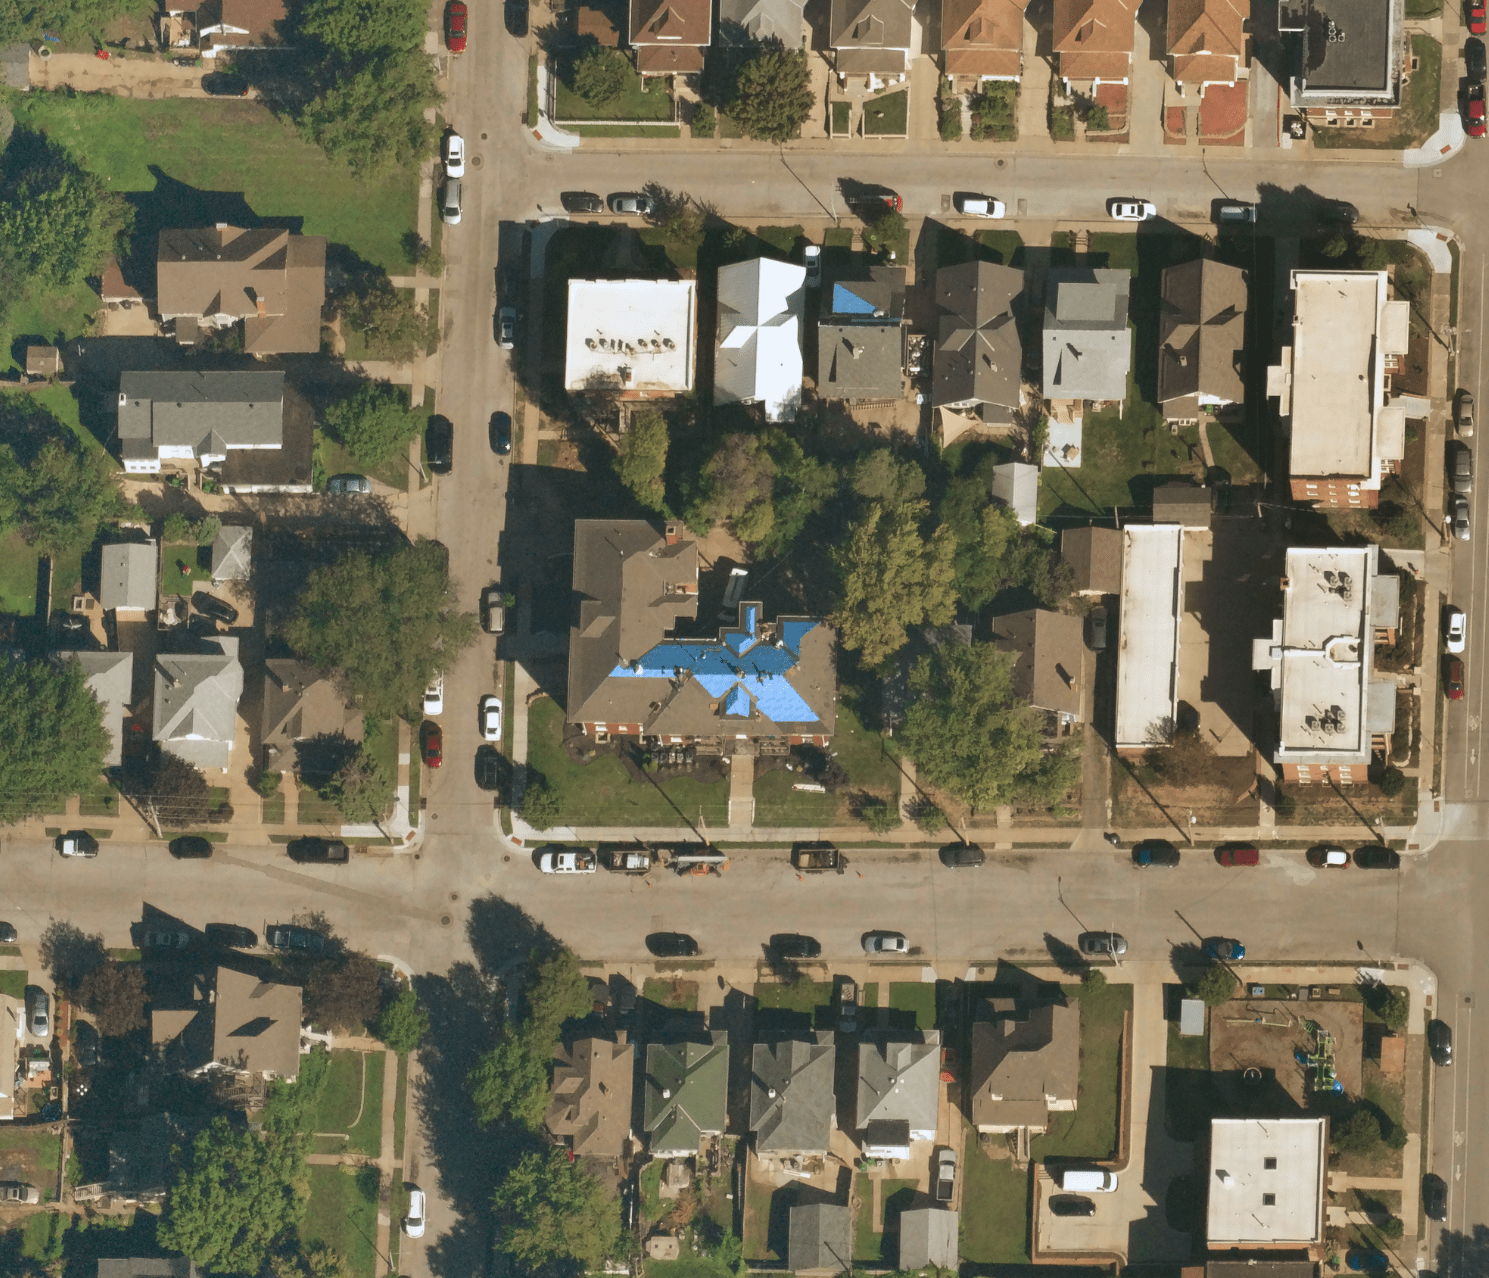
x=38, y=1009
x=347, y=484
x=885, y=943
x=449, y=203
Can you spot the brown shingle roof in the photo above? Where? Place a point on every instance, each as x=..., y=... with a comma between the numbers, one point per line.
x=1095, y=65
x=671, y=23
x=975, y=29
x=869, y=26
x=1093, y=26
x=1201, y=331
x=668, y=59
x=1024, y=1058
x=591, y=1103
x=1048, y=648
x=590, y=21
x=260, y=18
x=1095, y=556
x=257, y=1025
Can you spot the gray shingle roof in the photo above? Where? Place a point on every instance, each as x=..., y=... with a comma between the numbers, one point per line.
x=232, y=553
x=206, y=412
x=900, y=1082
x=762, y=20
x=110, y=676
x=978, y=351
x=820, y=1236
x=1087, y=345
x=128, y=575
x=196, y=703
x=929, y=1237
x=791, y=1095
x=859, y=361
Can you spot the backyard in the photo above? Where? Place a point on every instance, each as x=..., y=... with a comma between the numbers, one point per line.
x=995, y=1209
x=1091, y=1130
x=895, y=1196
x=181, y=568
x=32, y=1154
x=342, y=1212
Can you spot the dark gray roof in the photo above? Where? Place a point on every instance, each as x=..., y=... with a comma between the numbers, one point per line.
x=978, y=351
x=859, y=361
x=859, y=296
x=208, y=412
x=1347, y=46
x=1087, y=346
x=1184, y=503
x=1201, y=331
x=820, y=1236
x=791, y=1095
x=928, y=1236
x=138, y=1267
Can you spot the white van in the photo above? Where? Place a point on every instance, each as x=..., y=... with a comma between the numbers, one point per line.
x=1237, y=213
x=1082, y=1181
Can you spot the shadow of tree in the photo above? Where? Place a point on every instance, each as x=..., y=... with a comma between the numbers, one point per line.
x=69, y=953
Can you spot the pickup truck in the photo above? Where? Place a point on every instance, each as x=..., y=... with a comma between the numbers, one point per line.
x=945, y=1174
x=815, y=858
x=624, y=861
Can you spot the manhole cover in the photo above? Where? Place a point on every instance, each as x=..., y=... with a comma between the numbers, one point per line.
x=506, y=858
x=1002, y=164
x=475, y=160
x=454, y=896
x=445, y=920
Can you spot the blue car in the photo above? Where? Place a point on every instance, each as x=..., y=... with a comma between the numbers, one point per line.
x=1367, y=1261
x=1225, y=949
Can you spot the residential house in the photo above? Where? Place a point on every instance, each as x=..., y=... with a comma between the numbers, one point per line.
x=792, y=1110
x=1201, y=338
x=232, y=553
x=929, y=1236
x=899, y=1092
x=1266, y=1183
x=240, y=1024
x=139, y=1267
x=769, y=682
x=196, y=702
x=1087, y=344
x=226, y=25
x=1333, y=709
x=633, y=337
x=1206, y=42
x=819, y=1239
x=761, y=21
x=979, y=355
x=12, y=1034
x=301, y=703
x=1346, y=60
x=590, y=1112
x=1093, y=41
x=110, y=676
x=1026, y=1058
x=861, y=338
x=668, y=37
x=871, y=38
x=129, y=577
x=1148, y=635
x=272, y=280
x=758, y=356
x=1183, y=503
x=141, y=1169
x=112, y=288
x=168, y=416
x=1048, y=649
x=896, y=695
x=687, y=1087
x=1016, y=485
x=1095, y=557
x=1332, y=384
x=981, y=40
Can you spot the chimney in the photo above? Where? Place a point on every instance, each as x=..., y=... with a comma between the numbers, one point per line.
x=666, y=1093
x=771, y=1092
x=671, y=532
x=259, y=302
x=620, y=1037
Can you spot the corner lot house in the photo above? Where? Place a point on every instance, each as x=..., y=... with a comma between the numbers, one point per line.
x=633, y=337
x=1347, y=59
x=758, y=356
x=300, y=702
x=1266, y=1182
x=591, y=1108
x=792, y=1110
x=240, y=1024
x=687, y=1087
x=196, y=702
x=669, y=36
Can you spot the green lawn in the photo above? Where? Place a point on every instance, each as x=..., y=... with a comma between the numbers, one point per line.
x=871, y=994
x=227, y=146
x=603, y=793
x=1091, y=1131
x=894, y=1197
x=677, y=994
x=103, y=800
x=1231, y=456
x=13, y=983
x=315, y=810
x=776, y=803
x=1120, y=248
x=794, y=996
x=1189, y=1098
x=342, y=1108
x=342, y=1213
x=62, y=404
x=684, y=257
x=172, y=557
x=17, y=576
x=336, y=460
x=1002, y=245
x=38, y=1154
x=639, y=100
x=885, y=116
x=781, y=238
x=915, y=996
x=837, y=237
x=995, y=1209
x=367, y=1132
x=842, y=114
x=271, y=809
x=55, y=314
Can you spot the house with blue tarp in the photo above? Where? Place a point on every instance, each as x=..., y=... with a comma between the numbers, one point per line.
x=635, y=671
x=861, y=336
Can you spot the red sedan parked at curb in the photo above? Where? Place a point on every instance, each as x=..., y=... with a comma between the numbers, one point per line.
x=1476, y=17
x=430, y=745
x=455, y=16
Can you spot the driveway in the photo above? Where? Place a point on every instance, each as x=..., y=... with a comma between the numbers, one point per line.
x=141, y=75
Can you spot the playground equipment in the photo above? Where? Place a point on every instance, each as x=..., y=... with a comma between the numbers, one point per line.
x=1256, y=1017
x=1320, y=1060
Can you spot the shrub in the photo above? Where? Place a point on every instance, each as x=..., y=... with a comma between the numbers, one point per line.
x=269, y=783
x=1093, y=982
x=1096, y=119
x=1392, y=782
x=1286, y=805
x=600, y=76
x=880, y=816
x=704, y=122
x=1062, y=125
x=1215, y=987
x=1358, y=1134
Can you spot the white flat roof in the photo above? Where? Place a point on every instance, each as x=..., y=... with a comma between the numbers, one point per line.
x=631, y=335
x=1337, y=371
x=1148, y=650
x=1252, y=1202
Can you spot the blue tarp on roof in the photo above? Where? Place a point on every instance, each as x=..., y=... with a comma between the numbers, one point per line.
x=846, y=302
x=738, y=702
x=793, y=632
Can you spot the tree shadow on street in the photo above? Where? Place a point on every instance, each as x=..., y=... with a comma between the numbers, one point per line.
x=69, y=953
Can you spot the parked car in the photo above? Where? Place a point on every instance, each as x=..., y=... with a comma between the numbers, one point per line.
x=628, y=861
x=501, y=434
x=1459, y=517
x=348, y=485
x=1366, y=1260
x=871, y=200
x=163, y=939
x=1224, y=949
x=671, y=945
x=439, y=444
x=1235, y=854
x=1155, y=852
x=191, y=847
x=231, y=935
x=1453, y=685
x=1376, y=857
x=1435, y=1196
x=431, y=744
x=1071, y=1205
x=1126, y=209
x=283, y=937
x=413, y=1223
x=1338, y=211
x=18, y=1191
x=847, y=1006
x=1440, y=1042
x=1476, y=18
x=455, y=19
x=969, y=205
x=224, y=84
x=1464, y=414
x=1455, y=632
x=1474, y=60
x=1460, y=474
x=1327, y=856
x=493, y=770
x=945, y=1174
x=630, y=203
x=1230, y=214
x=567, y=861
x=1098, y=629
x=450, y=201
x=8, y=934
x=85, y=1044
x=962, y=856
x=38, y=1012
x=1473, y=111
x=581, y=202
x=491, y=717
x=1102, y=943
x=493, y=610
x=812, y=259
x=885, y=943
x=77, y=843
x=453, y=154
x=212, y=606
x=317, y=851
x=792, y=945
x=506, y=327
x=434, y=696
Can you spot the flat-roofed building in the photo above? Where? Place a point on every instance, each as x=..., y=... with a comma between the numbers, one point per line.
x=633, y=337
x=1148, y=645
x=1347, y=59
x=1267, y=1182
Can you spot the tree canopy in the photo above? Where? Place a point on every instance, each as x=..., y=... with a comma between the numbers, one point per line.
x=115, y=994
x=892, y=577
x=993, y=552
x=391, y=324
x=57, y=222
x=403, y=1023
x=352, y=29
x=881, y=476
x=168, y=789
x=52, y=738
x=374, y=422
x=344, y=991
x=58, y=498
x=642, y=459
x=371, y=114
x=389, y=623
x=549, y=1210
x=773, y=95
x=763, y=486
x=600, y=75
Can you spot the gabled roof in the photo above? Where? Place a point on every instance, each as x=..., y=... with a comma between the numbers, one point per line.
x=256, y=1025
x=1093, y=26
x=139, y=1267
x=899, y=1082
x=232, y=553
x=300, y=702
x=871, y=26
x=671, y=23
x=1087, y=345
x=208, y=412
x=591, y=1105
x=820, y=1238
x=243, y=23
x=110, y=678
x=1095, y=556
x=687, y=1086
x=758, y=354
x=1048, y=649
x=982, y=37
x=127, y=575
x=762, y=20
x=1016, y=485
x=1205, y=29
x=928, y=1236
x=791, y=1095
x=978, y=351
x=859, y=361
x=196, y=702
x=1201, y=331
x=1025, y=1057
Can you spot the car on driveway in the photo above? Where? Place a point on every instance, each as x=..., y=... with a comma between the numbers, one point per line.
x=224, y=84
x=1440, y=1042
x=1126, y=209
x=1459, y=517
x=885, y=943
x=191, y=847
x=1071, y=1205
x=439, y=444
x=1435, y=1196
x=1463, y=417
x=231, y=935
x=501, y=434
x=1455, y=632
x=1376, y=857
x=962, y=856
x=1155, y=852
x=1099, y=944
x=349, y=485
x=630, y=204
x=506, y=327
x=212, y=606
x=1366, y=1260
x=318, y=851
x=455, y=20
x=38, y=1012
x=431, y=745
x=812, y=259
x=77, y=843
x=671, y=945
x=1098, y=629
x=1453, y=685
x=491, y=718
x=1234, y=854
x=792, y=945
x=568, y=861
x=284, y=937
x=453, y=154
x=1224, y=949
x=581, y=202
x=18, y=1191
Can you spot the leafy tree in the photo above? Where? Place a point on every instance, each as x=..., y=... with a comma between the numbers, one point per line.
x=176, y=528
x=115, y=994
x=374, y=422
x=343, y=992
x=550, y=1211
x=928, y=816
x=1392, y=782
x=887, y=228
x=58, y=499
x=403, y=1022
x=392, y=325
x=235, y=1197
x=316, y=1261
x=1390, y=1003
x=372, y=114
x=388, y=623
x=892, y=578
x=69, y=953
x=168, y=789
x=540, y=806
x=352, y=29
x=511, y=1081
x=1216, y=986
x=207, y=529
x=601, y=76
x=881, y=476
x=559, y=991
x=764, y=486
x=993, y=552
x=1358, y=1134
x=773, y=95
x=1093, y=981
x=57, y=222
x=52, y=738
x=880, y=815
x=643, y=458
x=1186, y=757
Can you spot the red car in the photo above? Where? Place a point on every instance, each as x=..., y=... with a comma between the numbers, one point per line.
x=1237, y=854
x=430, y=744
x=1473, y=121
x=1476, y=21
x=455, y=26
x=1454, y=686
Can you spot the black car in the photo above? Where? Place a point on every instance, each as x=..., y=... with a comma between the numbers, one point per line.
x=1473, y=58
x=191, y=846
x=7, y=934
x=794, y=945
x=1071, y=1205
x=671, y=945
x=224, y=84
x=501, y=434
x=1155, y=852
x=1440, y=1042
x=439, y=444
x=493, y=770
x=85, y=1044
x=1377, y=858
x=284, y=937
x=1099, y=943
x=1435, y=1196
x=581, y=202
x=231, y=935
x=1338, y=211
x=962, y=856
x=319, y=851
x=212, y=606
x=514, y=14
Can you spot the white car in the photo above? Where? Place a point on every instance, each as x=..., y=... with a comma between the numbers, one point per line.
x=434, y=696
x=1126, y=210
x=413, y=1223
x=1457, y=633
x=454, y=155
x=580, y=861
x=491, y=718
x=969, y=205
x=885, y=943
